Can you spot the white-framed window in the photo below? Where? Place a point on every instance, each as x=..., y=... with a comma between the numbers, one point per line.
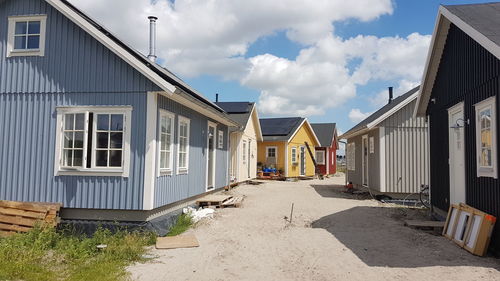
x=351, y=156
x=486, y=143
x=294, y=154
x=320, y=157
x=183, y=145
x=166, y=142
x=220, y=140
x=372, y=144
x=244, y=152
x=93, y=141
x=26, y=36
x=271, y=152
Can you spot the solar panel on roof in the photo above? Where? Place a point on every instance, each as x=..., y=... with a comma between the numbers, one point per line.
x=278, y=126
x=234, y=107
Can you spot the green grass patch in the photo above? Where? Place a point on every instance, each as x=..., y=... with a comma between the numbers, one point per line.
x=183, y=223
x=47, y=254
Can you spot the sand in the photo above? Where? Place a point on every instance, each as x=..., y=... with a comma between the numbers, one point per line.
x=333, y=236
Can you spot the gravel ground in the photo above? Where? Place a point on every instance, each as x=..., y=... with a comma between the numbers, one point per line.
x=333, y=236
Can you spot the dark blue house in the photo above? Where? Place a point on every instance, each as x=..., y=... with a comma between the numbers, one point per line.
x=87, y=121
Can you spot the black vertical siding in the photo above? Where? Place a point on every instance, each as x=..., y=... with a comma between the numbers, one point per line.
x=467, y=73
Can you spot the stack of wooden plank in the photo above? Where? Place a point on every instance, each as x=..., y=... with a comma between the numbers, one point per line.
x=234, y=202
x=22, y=216
x=220, y=201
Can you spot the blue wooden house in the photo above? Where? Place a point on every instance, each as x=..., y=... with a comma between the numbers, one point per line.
x=87, y=121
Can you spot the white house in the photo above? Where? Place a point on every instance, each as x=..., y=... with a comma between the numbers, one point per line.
x=243, y=141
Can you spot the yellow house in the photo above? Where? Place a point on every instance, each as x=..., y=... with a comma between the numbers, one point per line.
x=284, y=146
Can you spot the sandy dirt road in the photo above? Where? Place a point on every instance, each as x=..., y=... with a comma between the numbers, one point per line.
x=333, y=236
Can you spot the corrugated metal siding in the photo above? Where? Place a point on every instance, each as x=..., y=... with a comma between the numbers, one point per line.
x=406, y=151
x=27, y=151
x=76, y=70
x=170, y=189
x=468, y=73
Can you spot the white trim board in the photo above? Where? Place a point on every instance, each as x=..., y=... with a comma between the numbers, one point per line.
x=150, y=160
x=443, y=20
x=310, y=128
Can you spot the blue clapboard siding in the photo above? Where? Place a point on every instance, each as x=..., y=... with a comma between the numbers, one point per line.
x=169, y=189
x=74, y=61
x=78, y=71
x=27, y=153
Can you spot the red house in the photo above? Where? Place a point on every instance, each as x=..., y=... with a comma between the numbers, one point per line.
x=326, y=154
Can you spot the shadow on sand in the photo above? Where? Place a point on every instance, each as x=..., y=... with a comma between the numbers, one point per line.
x=339, y=191
x=377, y=236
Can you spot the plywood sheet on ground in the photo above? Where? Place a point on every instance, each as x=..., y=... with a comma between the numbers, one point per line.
x=175, y=242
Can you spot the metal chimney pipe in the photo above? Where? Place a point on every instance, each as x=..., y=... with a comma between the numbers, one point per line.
x=391, y=96
x=152, y=38
x=216, y=97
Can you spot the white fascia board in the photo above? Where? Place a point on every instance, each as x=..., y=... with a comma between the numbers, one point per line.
x=392, y=110
x=310, y=128
x=354, y=134
x=200, y=107
x=256, y=121
x=113, y=46
x=436, y=50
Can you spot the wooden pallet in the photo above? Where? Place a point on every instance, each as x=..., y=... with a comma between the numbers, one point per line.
x=22, y=216
x=213, y=200
x=424, y=224
x=234, y=202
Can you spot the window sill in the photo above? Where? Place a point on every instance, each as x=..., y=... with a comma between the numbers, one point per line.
x=166, y=173
x=96, y=173
x=27, y=53
x=182, y=172
x=487, y=173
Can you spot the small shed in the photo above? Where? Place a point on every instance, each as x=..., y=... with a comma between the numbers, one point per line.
x=243, y=139
x=388, y=151
x=326, y=152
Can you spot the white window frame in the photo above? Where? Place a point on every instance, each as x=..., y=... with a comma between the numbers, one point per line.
x=275, y=151
x=320, y=160
x=60, y=170
x=166, y=171
x=294, y=155
x=11, y=52
x=371, y=145
x=488, y=171
x=220, y=140
x=182, y=119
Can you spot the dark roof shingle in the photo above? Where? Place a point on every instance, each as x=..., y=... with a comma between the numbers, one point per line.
x=363, y=124
x=324, y=132
x=238, y=111
x=485, y=18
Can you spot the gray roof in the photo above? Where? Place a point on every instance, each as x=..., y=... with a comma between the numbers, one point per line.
x=363, y=124
x=279, y=129
x=239, y=112
x=161, y=71
x=485, y=18
x=324, y=132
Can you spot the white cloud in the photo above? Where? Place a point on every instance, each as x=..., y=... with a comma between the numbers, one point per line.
x=212, y=37
x=356, y=116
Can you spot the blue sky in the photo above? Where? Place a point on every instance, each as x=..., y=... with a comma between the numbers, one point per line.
x=330, y=61
x=408, y=17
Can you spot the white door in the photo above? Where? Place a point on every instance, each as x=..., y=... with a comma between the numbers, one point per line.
x=249, y=161
x=302, y=161
x=364, y=150
x=456, y=153
x=211, y=156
